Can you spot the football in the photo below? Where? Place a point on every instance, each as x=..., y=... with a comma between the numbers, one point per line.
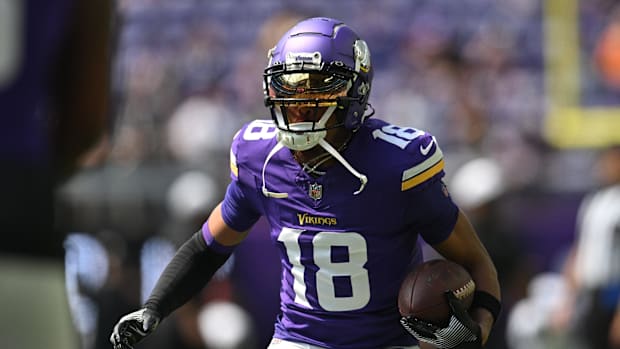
x=422, y=292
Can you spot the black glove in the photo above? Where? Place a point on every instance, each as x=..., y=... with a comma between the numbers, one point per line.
x=133, y=327
x=462, y=331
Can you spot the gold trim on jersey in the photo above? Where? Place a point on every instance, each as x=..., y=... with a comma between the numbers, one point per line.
x=233, y=164
x=423, y=171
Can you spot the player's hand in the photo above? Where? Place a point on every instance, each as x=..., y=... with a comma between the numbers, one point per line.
x=133, y=327
x=462, y=331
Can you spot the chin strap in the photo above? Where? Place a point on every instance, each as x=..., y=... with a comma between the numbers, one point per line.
x=325, y=145
x=363, y=179
x=267, y=193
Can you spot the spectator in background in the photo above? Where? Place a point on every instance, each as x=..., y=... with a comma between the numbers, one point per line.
x=54, y=96
x=607, y=51
x=590, y=315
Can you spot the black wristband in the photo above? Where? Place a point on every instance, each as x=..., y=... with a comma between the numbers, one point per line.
x=487, y=301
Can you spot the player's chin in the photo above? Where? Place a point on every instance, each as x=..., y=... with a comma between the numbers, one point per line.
x=303, y=156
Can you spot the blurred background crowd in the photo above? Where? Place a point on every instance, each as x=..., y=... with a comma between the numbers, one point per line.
x=474, y=73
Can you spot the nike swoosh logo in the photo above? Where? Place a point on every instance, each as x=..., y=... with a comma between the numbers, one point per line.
x=425, y=150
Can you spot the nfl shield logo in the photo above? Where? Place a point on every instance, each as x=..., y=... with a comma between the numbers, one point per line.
x=316, y=191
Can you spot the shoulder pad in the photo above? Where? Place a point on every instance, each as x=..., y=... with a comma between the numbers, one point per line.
x=420, y=157
x=252, y=138
x=429, y=162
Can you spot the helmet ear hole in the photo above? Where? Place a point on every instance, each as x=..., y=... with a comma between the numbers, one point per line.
x=340, y=114
x=354, y=116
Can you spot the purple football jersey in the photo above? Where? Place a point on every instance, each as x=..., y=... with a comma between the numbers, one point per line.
x=343, y=256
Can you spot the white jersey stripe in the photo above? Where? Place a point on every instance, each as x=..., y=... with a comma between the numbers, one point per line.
x=425, y=165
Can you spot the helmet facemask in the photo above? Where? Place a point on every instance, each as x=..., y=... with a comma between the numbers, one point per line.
x=303, y=105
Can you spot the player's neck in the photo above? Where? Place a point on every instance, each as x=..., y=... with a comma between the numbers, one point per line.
x=316, y=160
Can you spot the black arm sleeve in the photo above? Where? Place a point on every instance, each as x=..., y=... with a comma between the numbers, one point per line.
x=187, y=273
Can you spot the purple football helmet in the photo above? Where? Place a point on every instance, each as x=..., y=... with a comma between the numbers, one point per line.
x=321, y=56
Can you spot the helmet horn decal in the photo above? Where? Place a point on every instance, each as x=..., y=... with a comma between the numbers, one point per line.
x=362, y=56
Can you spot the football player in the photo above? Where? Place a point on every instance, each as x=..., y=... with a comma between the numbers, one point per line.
x=347, y=197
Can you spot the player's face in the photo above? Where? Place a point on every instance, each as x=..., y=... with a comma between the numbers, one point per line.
x=307, y=113
x=307, y=98
x=313, y=109
x=296, y=114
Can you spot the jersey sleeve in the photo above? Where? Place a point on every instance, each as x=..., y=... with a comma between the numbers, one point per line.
x=431, y=208
x=432, y=212
x=237, y=210
x=240, y=205
x=429, y=162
